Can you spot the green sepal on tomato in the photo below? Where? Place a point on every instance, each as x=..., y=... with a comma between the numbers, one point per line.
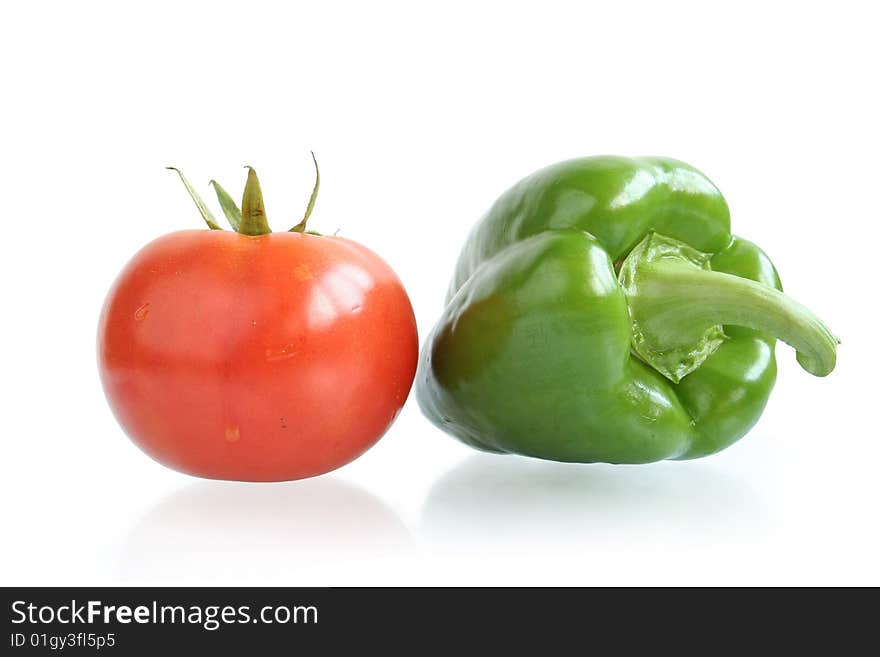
x=252, y=355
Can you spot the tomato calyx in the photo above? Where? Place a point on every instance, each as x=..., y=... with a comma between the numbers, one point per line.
x=301, y=226
x=251, y=218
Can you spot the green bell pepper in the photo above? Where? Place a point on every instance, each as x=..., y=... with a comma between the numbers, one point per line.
x=602, y=311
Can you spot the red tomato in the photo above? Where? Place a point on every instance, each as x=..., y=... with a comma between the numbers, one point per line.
x=257, y=358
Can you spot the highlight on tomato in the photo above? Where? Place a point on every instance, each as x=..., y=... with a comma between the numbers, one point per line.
x=252, y=355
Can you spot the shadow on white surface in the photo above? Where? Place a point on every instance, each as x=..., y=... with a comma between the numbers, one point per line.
x=225, y=533
x=514, y=502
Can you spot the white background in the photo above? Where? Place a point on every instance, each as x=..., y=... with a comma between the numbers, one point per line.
x=420, y=116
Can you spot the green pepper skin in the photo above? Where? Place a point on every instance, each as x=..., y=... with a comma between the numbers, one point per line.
x=532, y=354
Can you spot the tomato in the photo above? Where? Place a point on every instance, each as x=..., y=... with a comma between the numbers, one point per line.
x=259, y=358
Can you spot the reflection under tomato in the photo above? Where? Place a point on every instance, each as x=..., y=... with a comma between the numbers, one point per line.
x=275, y=534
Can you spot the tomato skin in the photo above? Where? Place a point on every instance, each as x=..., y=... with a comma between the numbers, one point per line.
x=265, y=358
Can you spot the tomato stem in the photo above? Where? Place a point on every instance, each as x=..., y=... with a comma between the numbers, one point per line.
x=251, y=218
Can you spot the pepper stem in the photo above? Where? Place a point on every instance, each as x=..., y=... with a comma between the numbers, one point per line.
x=253, y=214
x=678, y=306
